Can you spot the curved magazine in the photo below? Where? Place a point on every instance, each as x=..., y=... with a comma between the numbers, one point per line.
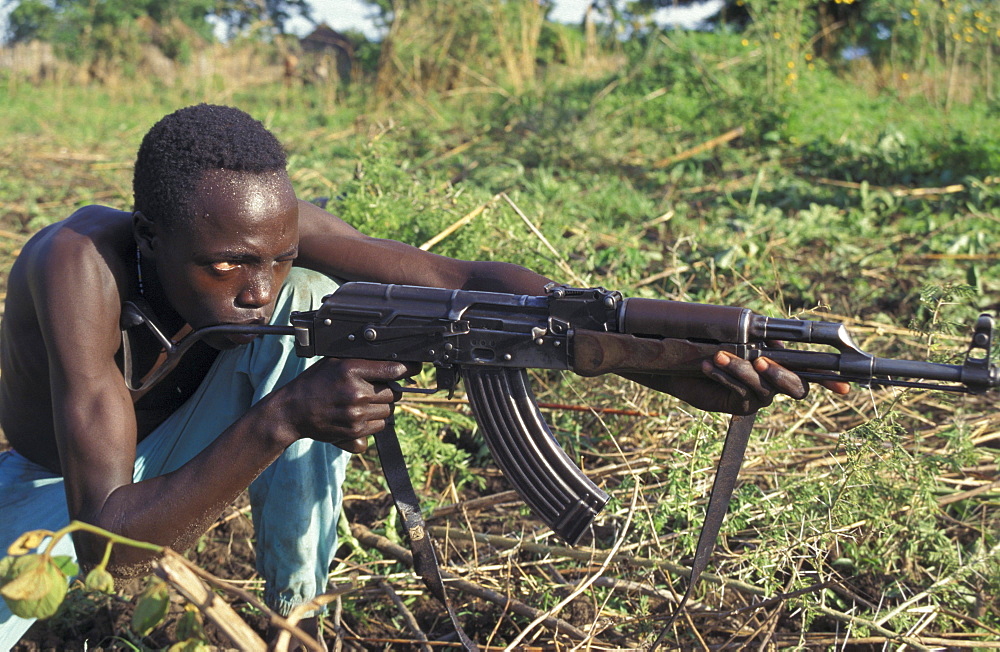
x=555, y=488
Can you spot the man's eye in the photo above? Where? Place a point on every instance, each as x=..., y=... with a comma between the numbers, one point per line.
x=224, y=266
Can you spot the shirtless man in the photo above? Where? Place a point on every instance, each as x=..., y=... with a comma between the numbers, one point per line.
x=213, y=239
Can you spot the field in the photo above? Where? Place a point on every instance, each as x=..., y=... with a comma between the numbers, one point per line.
x=679, y=170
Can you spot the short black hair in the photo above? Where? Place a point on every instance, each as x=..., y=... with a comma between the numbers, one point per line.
x=181, y=147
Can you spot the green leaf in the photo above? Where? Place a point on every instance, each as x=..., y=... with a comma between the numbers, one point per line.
x=151, y=607
x=67, y=565
x=33, y=586
x=190, y=625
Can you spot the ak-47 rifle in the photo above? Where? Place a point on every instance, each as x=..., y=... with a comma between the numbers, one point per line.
x=491, y=339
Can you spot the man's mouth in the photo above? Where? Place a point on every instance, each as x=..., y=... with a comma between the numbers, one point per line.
x=241, y=338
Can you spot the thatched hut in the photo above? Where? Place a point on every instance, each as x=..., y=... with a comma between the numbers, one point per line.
x=327, y=54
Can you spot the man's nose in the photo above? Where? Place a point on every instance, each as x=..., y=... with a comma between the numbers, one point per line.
x=259, y=289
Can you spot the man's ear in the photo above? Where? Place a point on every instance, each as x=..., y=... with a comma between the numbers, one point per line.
x=145, y=233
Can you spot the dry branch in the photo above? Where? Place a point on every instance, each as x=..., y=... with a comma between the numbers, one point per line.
x=458, y=224
x=176, y=570
x=591, y=556
x=712, y=143
x=900, y=191
x=538, y=234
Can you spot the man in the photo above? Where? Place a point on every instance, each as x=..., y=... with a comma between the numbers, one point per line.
x=213, y=239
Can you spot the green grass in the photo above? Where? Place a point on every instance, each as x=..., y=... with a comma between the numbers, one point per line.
x=862, y=492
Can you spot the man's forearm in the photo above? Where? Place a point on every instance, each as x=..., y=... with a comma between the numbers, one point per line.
x=504, y=277
x=176, y=508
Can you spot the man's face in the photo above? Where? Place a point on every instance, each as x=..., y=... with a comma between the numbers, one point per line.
x=229, y=263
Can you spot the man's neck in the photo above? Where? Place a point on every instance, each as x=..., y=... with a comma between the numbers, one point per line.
x=168, y=319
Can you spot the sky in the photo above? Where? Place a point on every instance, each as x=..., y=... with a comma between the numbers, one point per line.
x=354, y=14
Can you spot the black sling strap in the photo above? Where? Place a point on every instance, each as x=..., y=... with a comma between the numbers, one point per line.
x=425, y=562
x=718, y=504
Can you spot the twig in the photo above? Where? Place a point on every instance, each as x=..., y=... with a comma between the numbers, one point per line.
x=962, y=495
x=475, y=504
x=538, y=234
x=875, y=627
x=594, y=556
x=383, y=545
x=408, y=618
x=899, y=191
x=458, y=149
x=174, y=569
x=814, y=641
x=249, y=598
x=698, y=149
x=670, y=271
x=455, y=226
x=584, y=585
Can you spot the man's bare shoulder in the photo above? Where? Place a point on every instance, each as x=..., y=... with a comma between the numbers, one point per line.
x=91, y=245
x=98, y=226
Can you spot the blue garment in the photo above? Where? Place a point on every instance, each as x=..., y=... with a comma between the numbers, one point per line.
x=295, y=502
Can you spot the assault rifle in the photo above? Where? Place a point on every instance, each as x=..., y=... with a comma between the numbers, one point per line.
x=490, y=340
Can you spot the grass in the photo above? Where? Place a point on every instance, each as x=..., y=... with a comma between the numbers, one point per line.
x=868, y=519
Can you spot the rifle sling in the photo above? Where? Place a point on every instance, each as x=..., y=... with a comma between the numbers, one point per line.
x=730, y=462
x=425, y=562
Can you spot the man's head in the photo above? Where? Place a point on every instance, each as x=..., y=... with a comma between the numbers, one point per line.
x=216, y=217
x=177, y=152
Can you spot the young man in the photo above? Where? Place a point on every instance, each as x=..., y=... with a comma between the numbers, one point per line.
x=213, y=239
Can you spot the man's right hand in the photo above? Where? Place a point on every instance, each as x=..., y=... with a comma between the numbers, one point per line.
x=343, y=402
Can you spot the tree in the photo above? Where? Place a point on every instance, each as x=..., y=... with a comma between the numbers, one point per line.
x=79, y=26
x=241, y=15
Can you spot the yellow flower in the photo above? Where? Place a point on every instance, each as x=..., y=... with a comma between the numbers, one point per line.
x=914, y=12
x=904, y=76
x=809, y=56
x=777, y=36
x=745, y=42
x=791, y=64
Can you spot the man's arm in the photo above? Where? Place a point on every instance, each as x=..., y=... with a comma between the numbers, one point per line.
x=329, y=245
x=333, y=247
